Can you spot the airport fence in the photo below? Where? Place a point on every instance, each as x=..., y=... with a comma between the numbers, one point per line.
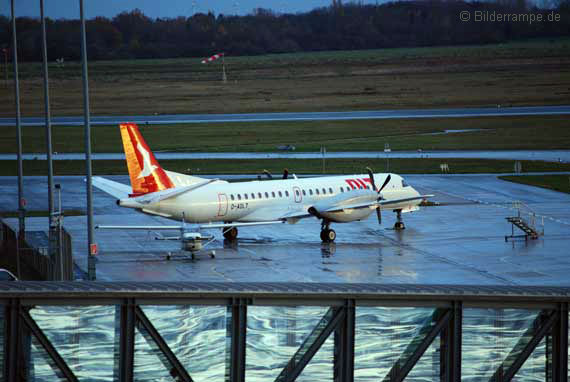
x=83, y=331
x=32, y=251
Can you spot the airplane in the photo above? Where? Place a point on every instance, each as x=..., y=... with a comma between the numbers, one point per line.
x=218, y=204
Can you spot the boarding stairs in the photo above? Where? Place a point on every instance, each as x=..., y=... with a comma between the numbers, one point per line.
x=526, y=221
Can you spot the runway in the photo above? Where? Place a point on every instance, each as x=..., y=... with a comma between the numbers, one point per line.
x=307, y=116
x=461, y=241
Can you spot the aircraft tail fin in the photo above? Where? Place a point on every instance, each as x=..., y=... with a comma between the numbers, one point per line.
x=145, y=172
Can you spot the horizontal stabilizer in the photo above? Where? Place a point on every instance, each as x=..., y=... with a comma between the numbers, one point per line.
x=115, y=189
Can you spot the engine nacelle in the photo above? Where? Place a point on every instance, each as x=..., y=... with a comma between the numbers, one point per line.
x=348, y=199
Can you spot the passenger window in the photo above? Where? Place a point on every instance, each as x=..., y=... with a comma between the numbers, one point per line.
x=280, y=194
x=324, y=191
x=317, y=191
x=287, y=193
x=239, y=196
x=310, y=192
x=297, y=193
x=272, y=193
x=232, y=196
x=330, y=190
x=267, y=195
x=341, y=189
x=259, y=195
x=253, y=195
x=245, y=196
x=304, y=193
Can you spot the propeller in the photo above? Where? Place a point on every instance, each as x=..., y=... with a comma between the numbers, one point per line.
x=371, y=174
x=285, y=173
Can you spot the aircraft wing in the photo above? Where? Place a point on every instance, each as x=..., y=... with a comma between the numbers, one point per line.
x=375, y=204
x=281, y=214
x=115, y=189
x=396, y=201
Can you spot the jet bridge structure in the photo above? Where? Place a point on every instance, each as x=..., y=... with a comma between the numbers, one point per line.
x=75, y=331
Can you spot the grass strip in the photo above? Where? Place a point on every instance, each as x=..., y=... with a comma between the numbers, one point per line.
x=552, y=182
x=486, y=133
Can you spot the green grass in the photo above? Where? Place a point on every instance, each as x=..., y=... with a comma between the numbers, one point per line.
x=552, y=182
x=298, y=166
x=535, y=72
x=488, y=133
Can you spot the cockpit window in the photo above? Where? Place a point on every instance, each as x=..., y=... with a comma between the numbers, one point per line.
x=404, y=184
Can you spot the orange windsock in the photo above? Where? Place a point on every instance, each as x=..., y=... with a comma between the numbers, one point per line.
x=145, y=172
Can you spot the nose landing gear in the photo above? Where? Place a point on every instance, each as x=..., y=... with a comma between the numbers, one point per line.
x=399, y=225
x=328, y=235
x=231, y=233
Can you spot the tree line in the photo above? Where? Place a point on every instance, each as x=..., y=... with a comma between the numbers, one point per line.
x=336, y=27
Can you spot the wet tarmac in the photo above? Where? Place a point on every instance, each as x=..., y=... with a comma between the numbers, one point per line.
x=543, y=155
x=460, y=241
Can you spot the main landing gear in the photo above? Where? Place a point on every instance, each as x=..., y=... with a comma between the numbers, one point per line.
x=327, y=234
x=399, y=225
x=231, y=233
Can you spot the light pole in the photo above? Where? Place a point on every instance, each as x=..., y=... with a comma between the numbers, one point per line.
x=91, y=246
x=387, y=150
x=5, y=51
x=21, y=201
x=52, y=232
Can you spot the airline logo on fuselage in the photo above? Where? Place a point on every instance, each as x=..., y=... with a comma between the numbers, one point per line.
x=358, y=183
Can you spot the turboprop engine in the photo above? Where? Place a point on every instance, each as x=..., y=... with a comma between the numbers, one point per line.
x=346, y=207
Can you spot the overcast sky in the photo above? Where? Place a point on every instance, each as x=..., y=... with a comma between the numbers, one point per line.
x=156, y=8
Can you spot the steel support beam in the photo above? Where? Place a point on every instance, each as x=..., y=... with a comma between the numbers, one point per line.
x=557, y=365
x=167, y=357
x=61, y=368
x=238, y=333
x=344, y=346
x=127, y=341
x=328, y=323
x=450, y=346
x=542, y=325
x=398, y=373
x=12, y=341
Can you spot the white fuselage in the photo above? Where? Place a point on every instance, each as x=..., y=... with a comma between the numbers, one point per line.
x=221, y=201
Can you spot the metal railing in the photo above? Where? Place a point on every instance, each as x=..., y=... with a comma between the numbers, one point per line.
x=345, y=321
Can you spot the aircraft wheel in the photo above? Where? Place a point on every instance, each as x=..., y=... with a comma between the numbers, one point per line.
x=399, y=225
x=231, y=234
x=331, y=235
x=328, y=235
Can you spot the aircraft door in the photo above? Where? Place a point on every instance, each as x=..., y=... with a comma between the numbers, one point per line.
x=222, y=204
x=297, y=194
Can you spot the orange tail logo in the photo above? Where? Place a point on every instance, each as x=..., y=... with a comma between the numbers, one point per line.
x=145, y=172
